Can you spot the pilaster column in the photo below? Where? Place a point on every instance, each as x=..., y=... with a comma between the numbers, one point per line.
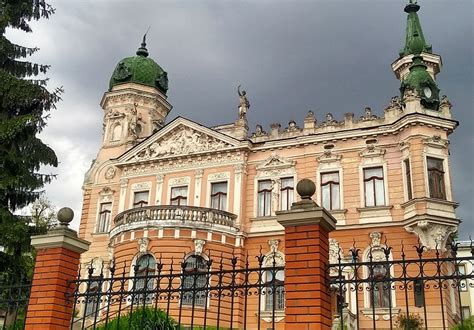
x=159, y=188
x=238, y=183
x=57, y=262
x=123, y=193
x=197, y=186
x=308, y=300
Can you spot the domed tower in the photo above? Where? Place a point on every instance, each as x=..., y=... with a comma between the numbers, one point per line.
x=135, y=105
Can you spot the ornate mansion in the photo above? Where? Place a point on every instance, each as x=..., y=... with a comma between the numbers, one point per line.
x=174, y=189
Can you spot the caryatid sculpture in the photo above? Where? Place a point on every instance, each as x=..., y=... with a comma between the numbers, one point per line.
x=244, y=103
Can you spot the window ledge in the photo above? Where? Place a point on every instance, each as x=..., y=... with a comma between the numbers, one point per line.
x=338, y=211
x=375, y=208
x=100, y=234
x=429, y=199
x=380, y=313
x=267, y=316
x=265, y=218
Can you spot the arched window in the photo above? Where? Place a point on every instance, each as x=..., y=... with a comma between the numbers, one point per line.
x=116, y=132
x=380, y=288
x=194, y=281
x=144, y=271
x=274, y=282
x=93, y=298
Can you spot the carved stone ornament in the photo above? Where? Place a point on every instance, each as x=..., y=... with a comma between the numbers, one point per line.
x=160, y=178
x=372, y=151
x=179, y=181
x=292, y=127
x=368, y=115
x=445, y=103
x=273, y=243
x=335, y=251
x=199, y=246
x=375, y=239
x=436, y=142
x=181, y=141
x=395, y=103
x=143, y=244
x=110, y=173
x=259, y=131
x=328, y=156
x=110, y=252
x=106, y=195
x=330, y=121
x=432, y=235
x=97, y=264
x=141, y=186
x=218, y=176
x=275, y=166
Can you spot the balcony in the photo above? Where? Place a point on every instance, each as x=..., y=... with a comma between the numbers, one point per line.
x=172, y=215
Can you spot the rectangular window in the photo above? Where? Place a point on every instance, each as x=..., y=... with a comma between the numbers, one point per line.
x=140, y=199
x=92, y=299
x=104, y=218
x=286, y=193
x=219, y=196
x=330, y=193
x=179, y=195
x=264, y=198
x=436, y=178
x=408, y=178
x=374, y=186
x=274, y=285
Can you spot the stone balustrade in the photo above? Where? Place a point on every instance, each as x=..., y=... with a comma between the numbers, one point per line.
x=176, y=212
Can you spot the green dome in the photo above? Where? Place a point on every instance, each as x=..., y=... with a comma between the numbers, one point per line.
x=141, y=70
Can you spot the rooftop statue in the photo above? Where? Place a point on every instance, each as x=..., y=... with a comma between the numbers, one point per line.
x=244, y=103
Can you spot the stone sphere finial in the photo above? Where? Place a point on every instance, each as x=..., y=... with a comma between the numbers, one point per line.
x=305, y=188
x=65, y=216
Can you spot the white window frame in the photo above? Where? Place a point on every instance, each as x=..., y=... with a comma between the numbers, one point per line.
x=284, y=175
x=404, y=179
x=367, y=294
x=180, y=182
x=446, y=176
x=206, y=258
x=368, y=165
x=328, y=168
x=105, y=196
x=139, y=187
x=268, y=262
x=217, y=178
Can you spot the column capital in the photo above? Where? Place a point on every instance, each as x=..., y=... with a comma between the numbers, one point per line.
x=306, y=212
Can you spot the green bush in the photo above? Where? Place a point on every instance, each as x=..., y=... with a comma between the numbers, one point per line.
x=466, y=325
x=143, y=318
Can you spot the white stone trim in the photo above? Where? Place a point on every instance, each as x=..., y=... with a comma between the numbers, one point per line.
x=179, y=182
x=216, y=178
x=139, y=187
x=159, y=188
x=65, y=238
x=439, y=154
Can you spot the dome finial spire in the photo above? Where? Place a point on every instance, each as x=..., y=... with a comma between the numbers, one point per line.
x=142, y=51
x=415, y=42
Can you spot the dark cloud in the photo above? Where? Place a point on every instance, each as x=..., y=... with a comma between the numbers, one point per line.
x=290, y=56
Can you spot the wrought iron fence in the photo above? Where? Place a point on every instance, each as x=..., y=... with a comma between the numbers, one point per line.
x=378, y=291
x=198, y=293
x=14, y=296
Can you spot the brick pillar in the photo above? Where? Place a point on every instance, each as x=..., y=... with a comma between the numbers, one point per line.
x=57, y=262
x=308, y=301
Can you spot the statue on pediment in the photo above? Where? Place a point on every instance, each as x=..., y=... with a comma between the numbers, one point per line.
x=244, y=104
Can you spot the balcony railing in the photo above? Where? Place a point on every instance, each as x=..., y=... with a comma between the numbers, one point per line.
x=176, y=212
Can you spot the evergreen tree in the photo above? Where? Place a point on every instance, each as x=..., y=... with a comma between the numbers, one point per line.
x=24, y=104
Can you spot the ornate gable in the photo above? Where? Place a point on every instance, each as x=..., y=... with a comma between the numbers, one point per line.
x=181, y=138
x=275, y=166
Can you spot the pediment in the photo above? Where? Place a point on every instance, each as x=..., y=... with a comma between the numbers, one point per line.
x=275, y=162
x=181, y=137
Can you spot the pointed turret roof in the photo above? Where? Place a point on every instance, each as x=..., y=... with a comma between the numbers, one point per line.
x=415, y=42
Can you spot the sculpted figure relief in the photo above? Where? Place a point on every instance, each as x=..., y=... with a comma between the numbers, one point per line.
x=244, y=104
x=184, y=141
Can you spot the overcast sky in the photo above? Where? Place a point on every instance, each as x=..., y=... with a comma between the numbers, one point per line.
x=290, y=56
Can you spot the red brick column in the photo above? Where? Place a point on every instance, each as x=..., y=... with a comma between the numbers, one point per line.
x=308, y=301
x=57, y=262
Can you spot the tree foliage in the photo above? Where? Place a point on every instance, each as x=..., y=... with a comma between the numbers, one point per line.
x=24, y=105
